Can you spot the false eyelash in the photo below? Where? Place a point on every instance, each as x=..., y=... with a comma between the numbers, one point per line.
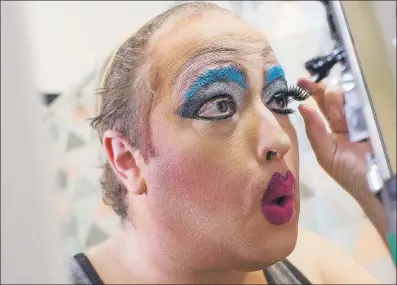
x=291, y=93
x=296, y=93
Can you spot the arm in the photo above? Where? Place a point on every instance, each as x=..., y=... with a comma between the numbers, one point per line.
x=341, y=268
x=375, y=212
x=334, y=265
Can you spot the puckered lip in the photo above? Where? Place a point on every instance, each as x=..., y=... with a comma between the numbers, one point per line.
x=279, y=186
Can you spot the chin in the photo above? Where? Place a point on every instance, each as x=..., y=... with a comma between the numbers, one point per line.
x=269, y=251
x=263, y=262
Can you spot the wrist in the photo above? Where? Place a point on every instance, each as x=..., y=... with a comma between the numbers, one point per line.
x=372, y=207
x=364, y=197
x=360, y=191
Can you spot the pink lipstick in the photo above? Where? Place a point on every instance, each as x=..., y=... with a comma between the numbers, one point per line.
x=277, y=204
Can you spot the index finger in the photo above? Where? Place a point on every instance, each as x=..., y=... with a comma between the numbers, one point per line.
x=317, y=91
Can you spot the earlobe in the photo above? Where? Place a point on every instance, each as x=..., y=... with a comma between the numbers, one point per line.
x=125, y=162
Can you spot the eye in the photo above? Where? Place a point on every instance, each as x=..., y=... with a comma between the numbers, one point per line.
x=278, y=103
x=217, y=101
x=219, y=108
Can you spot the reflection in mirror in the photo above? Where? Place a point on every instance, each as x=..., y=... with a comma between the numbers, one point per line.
x=231, y=184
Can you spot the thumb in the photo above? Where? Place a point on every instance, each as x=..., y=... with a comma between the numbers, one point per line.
x=321, y=140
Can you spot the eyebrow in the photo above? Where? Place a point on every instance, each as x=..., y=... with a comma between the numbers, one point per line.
x=266, y=52
x=231, y=74
x=224, y=73
x=218, y=55
x=273, y=72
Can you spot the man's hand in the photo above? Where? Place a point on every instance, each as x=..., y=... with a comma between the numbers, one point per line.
x=343, y=160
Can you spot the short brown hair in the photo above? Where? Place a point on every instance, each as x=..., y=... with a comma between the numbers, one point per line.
x=126, y=97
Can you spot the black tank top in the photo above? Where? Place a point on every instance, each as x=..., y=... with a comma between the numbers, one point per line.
x=283, y=272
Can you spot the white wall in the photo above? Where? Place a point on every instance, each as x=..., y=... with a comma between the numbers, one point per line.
x=70, y=37
x=30, y=250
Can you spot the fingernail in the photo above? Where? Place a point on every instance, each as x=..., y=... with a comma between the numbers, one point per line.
x=304, y=83
x=335, y=113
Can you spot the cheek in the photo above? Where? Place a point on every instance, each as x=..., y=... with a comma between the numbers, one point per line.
x=191, y=177
x=191, y=167
x=188, y=173
x=194, y=194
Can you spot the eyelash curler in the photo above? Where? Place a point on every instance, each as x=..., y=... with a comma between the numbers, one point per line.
x=360, y=117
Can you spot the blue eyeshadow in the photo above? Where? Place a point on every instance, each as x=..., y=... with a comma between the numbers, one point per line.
x=273, y=73
x=225, y=74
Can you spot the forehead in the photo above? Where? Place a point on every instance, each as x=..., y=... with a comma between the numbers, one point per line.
x=213, y=36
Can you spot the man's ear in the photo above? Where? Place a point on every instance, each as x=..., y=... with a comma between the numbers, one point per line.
x=125, y=161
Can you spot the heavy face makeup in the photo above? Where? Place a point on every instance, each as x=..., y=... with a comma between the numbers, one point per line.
x=218, y=92
x=216, y=118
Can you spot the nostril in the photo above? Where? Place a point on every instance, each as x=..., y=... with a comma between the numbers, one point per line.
x=270, y=154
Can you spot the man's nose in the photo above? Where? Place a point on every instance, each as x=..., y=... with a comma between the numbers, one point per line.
x=272, y=142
